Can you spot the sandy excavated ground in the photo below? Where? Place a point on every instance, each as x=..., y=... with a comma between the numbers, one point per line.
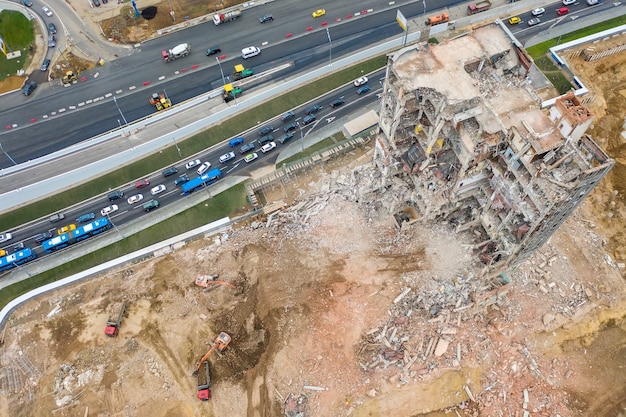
x=315, y=327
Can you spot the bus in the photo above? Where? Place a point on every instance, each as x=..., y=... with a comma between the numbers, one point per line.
x=80, y=233
x=202, y=181
x=18, y=258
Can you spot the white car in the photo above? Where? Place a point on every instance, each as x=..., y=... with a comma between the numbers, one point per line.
x=135, y=198
x=268, y=147
x=47, y=11
x=251, y=157
x=204, y=168
x=193, y=163
x=227, y=157
x=5, y=237
x=109, y=209
x=158, y=189
x=568, y=2
x=538, y=12
x=360, y=81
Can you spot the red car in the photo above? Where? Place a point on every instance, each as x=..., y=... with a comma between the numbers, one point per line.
x=562, y=11
x=141, y=184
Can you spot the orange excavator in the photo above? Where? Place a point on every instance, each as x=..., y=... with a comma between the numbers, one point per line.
x=219, y=344
x=206, y=280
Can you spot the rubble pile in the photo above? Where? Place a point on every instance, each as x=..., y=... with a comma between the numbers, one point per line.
x=423, y=325
x=363, y=185
x=68, y=379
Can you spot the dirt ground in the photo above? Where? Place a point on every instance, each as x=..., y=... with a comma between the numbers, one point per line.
x=319, y=322
x=333, y=312
x=119, y=24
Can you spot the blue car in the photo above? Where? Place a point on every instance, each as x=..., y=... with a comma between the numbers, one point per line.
x=235, y=142
x=362, y=90
x=86, y=218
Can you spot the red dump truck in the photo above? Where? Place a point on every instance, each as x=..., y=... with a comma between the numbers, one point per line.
x=113, y=327
x=204, y=383
x=478, y=7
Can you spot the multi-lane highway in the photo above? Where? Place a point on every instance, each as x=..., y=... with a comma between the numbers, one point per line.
x=172, y=194
x=303, y=52
x=29, y=140
x=73, y=117
x=550, y=19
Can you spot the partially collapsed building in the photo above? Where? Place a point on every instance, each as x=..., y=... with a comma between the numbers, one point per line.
x=461, y=126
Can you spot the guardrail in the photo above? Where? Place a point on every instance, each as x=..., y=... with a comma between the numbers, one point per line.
x=158, y=249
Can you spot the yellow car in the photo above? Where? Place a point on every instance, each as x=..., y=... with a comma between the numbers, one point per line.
x=514, y=20
x=66, y=229
x=319, y=13
x=3, y=252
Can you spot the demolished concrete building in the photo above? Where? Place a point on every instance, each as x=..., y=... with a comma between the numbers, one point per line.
x=461, y=126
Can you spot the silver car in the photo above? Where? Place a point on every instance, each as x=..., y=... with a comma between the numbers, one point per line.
x=534, y=21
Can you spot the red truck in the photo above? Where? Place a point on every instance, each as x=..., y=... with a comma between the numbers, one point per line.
x=113, y=327
x=478, y=7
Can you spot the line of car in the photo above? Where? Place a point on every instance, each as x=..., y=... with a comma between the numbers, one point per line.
x=265, y=140
x=540, y=11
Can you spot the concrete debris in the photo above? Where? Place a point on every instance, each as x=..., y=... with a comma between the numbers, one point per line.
x=401, y=296
x=469, y=393
x=295, y=406
x=442, y=347
x=314, y=388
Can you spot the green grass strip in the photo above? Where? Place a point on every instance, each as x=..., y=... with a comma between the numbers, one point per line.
x=229, y=202
x=539, y=50
x=191, y=146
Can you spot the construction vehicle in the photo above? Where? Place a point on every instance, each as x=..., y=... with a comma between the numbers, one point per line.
x=231, y=92
x=220, y=343
x=69, y=77
x=220, y=18
x=113, y=327
x=160, y=101
x=242, y=72
x=208, y=280
x=478, y=7
x=176, y=52
x=436, y=20
x=204, y=383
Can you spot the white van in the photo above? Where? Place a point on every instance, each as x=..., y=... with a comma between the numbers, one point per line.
x=249, y=52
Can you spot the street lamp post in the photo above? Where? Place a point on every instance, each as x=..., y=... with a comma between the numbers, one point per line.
x=114, y=226
x=171, y=11
x=330, y=49
x=120, y=110
x=177, y=148
x=301, y=137
x=217, y=58
x=8, y=156
x=18, y=266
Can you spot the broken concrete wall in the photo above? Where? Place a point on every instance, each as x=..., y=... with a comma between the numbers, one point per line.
x=485, y=159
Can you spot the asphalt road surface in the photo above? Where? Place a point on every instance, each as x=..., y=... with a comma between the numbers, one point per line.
x=29, y=140
x=172, y=194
